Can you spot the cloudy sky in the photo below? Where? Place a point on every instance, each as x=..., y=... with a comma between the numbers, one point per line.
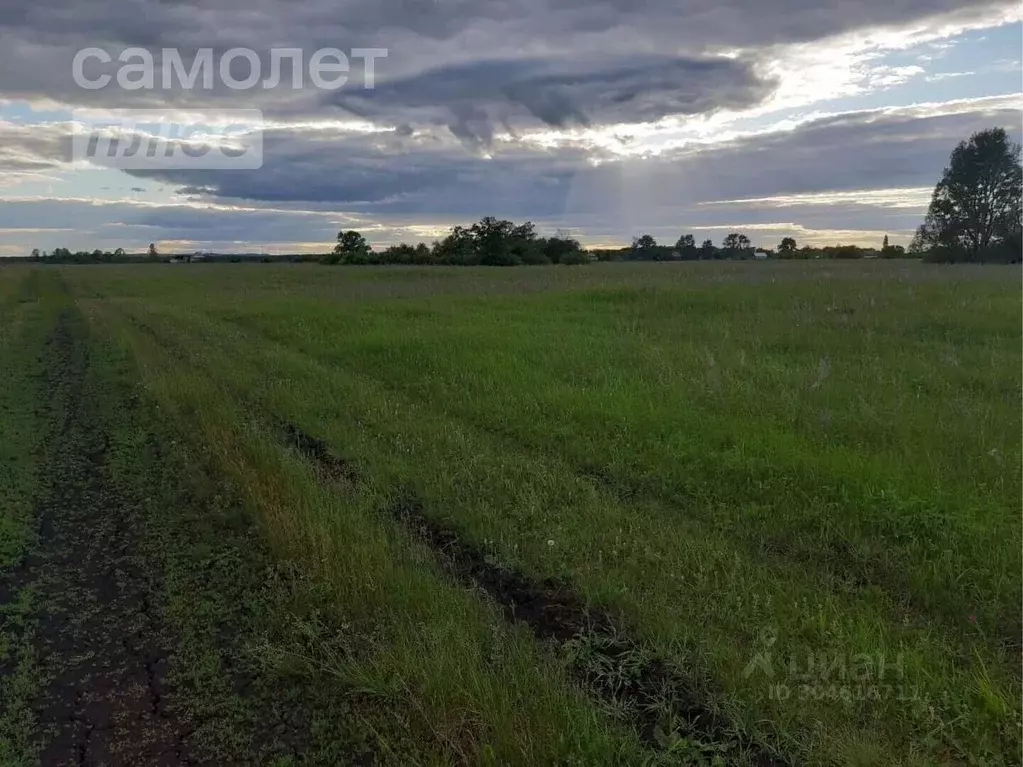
x=825, y=120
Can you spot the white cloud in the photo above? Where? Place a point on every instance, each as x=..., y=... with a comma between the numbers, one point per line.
x=907, y=197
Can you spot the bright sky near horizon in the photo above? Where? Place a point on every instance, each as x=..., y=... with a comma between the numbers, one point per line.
x=827, y=121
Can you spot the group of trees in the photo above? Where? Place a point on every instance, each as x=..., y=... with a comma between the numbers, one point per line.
x=489, y=242
x=735, y=245
x=646, y=248
x=66, y=256
x=738, y=246
x=493, y=242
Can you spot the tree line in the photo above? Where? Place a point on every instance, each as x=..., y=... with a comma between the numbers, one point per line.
x=66, y=256
x=489, y=242
x=496, y=242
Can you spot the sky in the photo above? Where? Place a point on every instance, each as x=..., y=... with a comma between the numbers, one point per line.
x=827, y=120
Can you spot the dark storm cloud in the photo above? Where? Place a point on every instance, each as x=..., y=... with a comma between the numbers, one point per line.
x=399, y=175
x=284, y=22
x=471, y=98
x=379, y=169
x=647, y=53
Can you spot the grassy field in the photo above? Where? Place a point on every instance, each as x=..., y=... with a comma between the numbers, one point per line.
x=698, y=513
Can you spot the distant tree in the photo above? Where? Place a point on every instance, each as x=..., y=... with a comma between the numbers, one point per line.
x=526, y=231
x=525, y=246
x=398, y=254
x=423, y=254
x=976, y=205
x=645, y=248
x=575, y=257
x=788, y=247
x=35, y=254
x=686, y=246
x=644, y=242
x=153, y=255
x=456, y=248
x=119, y=252
x=891, y=251
x=611, y=254
x=843, y=251
x=351, y=248
x=492, y=238
x=707, y=249
x=736, y=245
x=562, y=249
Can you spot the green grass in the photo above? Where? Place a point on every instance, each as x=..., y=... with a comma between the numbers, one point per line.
x=797, y=483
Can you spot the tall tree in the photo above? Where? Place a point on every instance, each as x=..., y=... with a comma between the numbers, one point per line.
x=456, y=248
x=686, y=246
x=492, y=238
x=644, y=242
x=562, y=249
x=977, y=202
x=153, y=255
x=736, y=244
x=788, y=246
x=351, y=248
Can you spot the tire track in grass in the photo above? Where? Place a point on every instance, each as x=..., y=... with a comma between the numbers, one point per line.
x=98, y=633
x=839, y=562
x=628, y=680
x=155, y=620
